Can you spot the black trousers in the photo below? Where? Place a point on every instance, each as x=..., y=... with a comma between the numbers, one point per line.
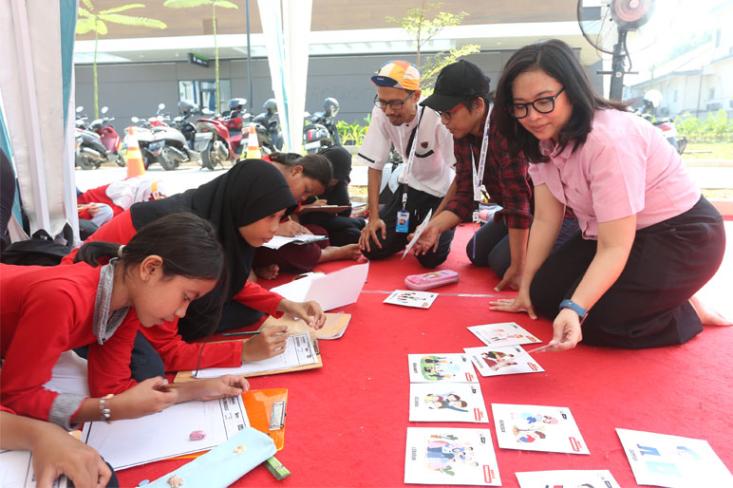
x=418, y=204
x=648, y=306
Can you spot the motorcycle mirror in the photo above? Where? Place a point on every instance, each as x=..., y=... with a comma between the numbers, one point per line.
x=79, y=109
x=161, y=106
x=104, y=110
x=134, y=119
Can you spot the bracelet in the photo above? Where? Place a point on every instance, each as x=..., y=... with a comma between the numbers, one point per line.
x=104, y=408
x=567, y=303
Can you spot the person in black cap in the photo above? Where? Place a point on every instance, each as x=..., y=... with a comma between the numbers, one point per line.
x=483, y=164
x=427, y=150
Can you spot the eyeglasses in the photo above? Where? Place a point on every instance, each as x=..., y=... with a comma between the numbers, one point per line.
x=393, y=104
x=543, y=105
x=447, y=115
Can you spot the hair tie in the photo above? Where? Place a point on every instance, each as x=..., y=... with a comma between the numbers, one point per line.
x=120, y=251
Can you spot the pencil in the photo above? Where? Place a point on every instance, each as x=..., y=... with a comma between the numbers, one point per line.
x=243, y=333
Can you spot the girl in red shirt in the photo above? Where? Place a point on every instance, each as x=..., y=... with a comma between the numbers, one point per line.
x=46, y=311
x=245, y=205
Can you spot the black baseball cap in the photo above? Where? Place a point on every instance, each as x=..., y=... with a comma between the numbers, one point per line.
x=456, y=83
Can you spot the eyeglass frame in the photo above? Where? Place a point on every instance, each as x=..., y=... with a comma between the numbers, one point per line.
x=393, y=104
x=551, y=98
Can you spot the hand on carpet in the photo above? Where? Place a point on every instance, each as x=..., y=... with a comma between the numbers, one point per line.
x=521, y=303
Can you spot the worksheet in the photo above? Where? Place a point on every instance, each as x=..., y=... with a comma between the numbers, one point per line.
x=450, y=457
x=447, y=402
x=495, y=361
x=673, y=461
x=301, y=352
x=180, y=429
x=16, y=471
x=448, y=368
x=503, y=334
x=279, y=241
x=537, y=428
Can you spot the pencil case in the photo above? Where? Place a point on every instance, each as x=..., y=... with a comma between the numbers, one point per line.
x=432, y=279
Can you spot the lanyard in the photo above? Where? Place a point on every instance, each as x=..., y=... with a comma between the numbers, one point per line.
x=410, y=160
x=478, y=174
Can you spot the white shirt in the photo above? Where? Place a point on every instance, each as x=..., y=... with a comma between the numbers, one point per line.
x=432, y=170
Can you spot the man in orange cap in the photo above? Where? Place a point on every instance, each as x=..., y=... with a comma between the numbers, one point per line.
x=426, y=148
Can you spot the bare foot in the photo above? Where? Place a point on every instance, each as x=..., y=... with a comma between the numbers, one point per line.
x=333, y=253
x=252, y=276
x=268, y=272
x=707, y=315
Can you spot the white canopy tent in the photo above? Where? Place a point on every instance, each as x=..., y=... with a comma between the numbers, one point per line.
x=36, y=105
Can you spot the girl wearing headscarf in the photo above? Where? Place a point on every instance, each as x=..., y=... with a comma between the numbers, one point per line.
x=245, y=206
x=341, y=228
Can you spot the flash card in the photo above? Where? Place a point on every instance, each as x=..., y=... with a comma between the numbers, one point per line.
x=567, y=478
x=411, y=298
x=447, y=402
x=537, y=428
x=495, y=361
x=503, y=334
x=449, y=368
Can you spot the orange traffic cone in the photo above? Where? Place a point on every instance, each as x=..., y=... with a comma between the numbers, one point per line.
x=135, y=165
x=253, y=144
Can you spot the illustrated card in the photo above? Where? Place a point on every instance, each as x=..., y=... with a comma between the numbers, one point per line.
x=537, y=428
x=411, y=298
x=495, y=361
x=447, y=402
x=450, y=457
x=668, y=460
x=591, y=478
x=449, y=368
x=503, y=334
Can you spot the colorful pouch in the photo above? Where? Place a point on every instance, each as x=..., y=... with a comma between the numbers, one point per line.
x=432, y=279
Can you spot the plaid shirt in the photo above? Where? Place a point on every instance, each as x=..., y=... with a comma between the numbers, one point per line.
x=505, y=178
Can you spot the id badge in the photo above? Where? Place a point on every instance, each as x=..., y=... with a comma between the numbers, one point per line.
x=403, y=222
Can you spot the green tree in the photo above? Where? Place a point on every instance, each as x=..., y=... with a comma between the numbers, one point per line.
x=91, y=21
x=213, y=4
x=423, y=23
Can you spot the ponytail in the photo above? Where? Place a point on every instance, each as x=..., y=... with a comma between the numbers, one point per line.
x=94, y=253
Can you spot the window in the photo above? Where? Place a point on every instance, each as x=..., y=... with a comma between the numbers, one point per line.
x=711, y=93
x=203, y=93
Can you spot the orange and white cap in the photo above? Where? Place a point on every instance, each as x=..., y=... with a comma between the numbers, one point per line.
x=398, y=74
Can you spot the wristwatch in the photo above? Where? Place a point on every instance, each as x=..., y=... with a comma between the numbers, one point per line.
x=568, y=303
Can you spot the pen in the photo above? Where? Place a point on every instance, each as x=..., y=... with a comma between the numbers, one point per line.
x=243, y=333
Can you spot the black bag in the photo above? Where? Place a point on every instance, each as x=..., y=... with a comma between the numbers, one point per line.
x=40, y=252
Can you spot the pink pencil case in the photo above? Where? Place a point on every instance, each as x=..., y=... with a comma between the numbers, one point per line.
x=432, y=279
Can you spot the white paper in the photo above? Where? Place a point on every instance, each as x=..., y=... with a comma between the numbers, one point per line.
x=418, y=232
x=300, y=350
x=450, y=457
x=601, y=478
x=668, y=460
x=537, y=428
x=496, y=361
x=279, y=241
x=503, y=334
x=450, y=368
x=16, y=471
x=333, y=290
x=132, y=442
x=411, y=298
x=447, y=402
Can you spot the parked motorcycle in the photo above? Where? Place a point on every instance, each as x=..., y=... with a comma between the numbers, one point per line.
x=109, y=137
x=212, y=141
x=327, y=118
x=651, y=101
x=236, y=118
x=90, y=152
x=267, y=125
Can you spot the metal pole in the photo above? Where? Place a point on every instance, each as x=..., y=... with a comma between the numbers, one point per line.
x=618, y=67
x=249, y=59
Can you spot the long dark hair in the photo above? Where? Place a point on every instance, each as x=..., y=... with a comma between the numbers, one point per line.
x=187, y=244
x=557, y=59
x=315, y=166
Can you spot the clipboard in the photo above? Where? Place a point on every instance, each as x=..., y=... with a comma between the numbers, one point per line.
x=334, y=328
x=246, y=369
x=331, y=209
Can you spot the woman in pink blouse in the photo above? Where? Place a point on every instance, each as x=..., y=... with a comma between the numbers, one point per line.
x=648, y=240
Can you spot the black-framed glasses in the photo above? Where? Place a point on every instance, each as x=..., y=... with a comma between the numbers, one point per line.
x=393, y=104
x=542, y=105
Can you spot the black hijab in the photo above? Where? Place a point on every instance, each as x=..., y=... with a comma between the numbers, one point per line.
x=340, y=162
x=252, y=189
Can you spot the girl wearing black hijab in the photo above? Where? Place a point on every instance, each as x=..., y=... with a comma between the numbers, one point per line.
x=245, y=205
x=341, y=228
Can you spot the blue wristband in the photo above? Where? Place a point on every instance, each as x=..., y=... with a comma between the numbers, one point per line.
x=567, y=303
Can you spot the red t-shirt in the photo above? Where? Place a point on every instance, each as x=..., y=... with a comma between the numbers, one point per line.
x=45, y=312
